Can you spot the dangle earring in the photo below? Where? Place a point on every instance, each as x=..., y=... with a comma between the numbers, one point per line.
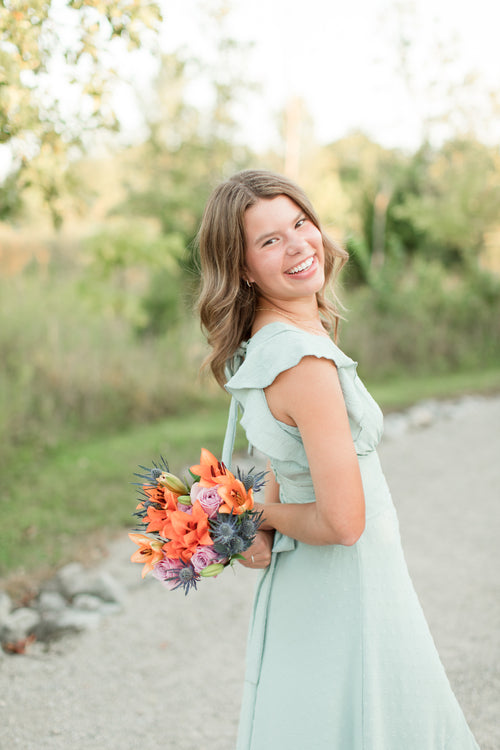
x=248, y=284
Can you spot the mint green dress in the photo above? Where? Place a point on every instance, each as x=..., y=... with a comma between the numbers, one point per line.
x=339, y=653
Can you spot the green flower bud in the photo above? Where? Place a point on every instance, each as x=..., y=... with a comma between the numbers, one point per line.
x=212, y=570
x=184, y=500
x=172, y=483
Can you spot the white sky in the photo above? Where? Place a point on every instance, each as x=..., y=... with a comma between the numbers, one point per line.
x=341, y=58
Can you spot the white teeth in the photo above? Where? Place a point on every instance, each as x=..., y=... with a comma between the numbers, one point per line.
x=302, y=267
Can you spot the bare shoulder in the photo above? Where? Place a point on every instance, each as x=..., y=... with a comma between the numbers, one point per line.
x=304, y=390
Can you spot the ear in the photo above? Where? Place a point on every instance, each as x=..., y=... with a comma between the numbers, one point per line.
x=247, y=277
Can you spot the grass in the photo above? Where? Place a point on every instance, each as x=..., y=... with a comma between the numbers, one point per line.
x=399, y=393
x=68, y=506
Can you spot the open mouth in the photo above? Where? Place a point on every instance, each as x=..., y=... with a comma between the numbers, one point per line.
x=302, y=266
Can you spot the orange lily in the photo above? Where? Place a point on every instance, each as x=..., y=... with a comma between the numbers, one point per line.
x=159, y=495
x=210, y=469
x=150, y=552
x=187, y=531
x=235, y=497
x=158, y=517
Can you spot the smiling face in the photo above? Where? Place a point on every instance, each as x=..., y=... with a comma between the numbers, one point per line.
x=284, y=254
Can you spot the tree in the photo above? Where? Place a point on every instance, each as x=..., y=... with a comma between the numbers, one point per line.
x=191, y=146
x=57, y=71
x=453, y=201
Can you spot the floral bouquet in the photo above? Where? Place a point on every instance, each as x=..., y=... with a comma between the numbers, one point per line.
x=194, y=532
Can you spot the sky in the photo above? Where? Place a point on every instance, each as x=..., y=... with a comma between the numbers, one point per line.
x=342, y=59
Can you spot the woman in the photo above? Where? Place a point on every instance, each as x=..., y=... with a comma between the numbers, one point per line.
x=339, y=654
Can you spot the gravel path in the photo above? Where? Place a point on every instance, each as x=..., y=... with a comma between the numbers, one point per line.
x=167, y=671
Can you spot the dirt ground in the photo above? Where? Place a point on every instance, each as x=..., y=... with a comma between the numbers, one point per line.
x=167, y=671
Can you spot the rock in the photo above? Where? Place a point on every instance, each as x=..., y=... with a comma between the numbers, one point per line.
x=5, y=606
x=421, y=416
x=87, y=602
x=51, y=601
x=72, y=579
x=70, y=620
x=19, y=624
x=107, y=588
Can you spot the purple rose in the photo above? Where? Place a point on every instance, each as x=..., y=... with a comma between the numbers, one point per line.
x=185, y=508
x=208, y=497
x=205, y=555
x=167, y=571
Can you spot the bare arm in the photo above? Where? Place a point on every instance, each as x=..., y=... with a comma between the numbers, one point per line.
x=309, y=396
x=271, y=487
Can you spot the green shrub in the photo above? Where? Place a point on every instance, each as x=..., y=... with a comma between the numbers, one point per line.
x=69, y=371
x=422, y=319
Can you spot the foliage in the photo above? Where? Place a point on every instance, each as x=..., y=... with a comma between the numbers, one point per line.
x=85, y=372
x=188, y=150
x=352, y=181
x=438, y=203
x=74, y=477
x=421, y=318
x=125, y=258
x=49, y=46
x=453, y=200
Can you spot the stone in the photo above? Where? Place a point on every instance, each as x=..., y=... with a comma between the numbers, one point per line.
x=5, y=606
x=87, y=602
x=72, y=579
x=19, y=624
x=420, y=416
x=51, y=601
x=107, y=588
x=56, y=624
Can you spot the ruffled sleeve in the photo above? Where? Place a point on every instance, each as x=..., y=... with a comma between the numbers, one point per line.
x=275, y=348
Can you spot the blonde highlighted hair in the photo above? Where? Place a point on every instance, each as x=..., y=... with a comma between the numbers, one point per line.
x=226, y=303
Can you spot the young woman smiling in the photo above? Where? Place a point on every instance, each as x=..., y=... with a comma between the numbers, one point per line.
x=339, y=653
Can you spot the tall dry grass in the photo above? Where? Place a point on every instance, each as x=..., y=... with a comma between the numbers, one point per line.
x=68, y=371
x=71, y=369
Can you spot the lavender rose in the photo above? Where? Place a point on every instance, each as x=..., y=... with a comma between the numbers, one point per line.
x=205, y=555
x=208, y=497
x=167, y=571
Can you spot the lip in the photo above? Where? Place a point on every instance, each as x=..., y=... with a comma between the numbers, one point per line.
x=307, y=271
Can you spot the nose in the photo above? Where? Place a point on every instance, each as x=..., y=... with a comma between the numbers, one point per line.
x=296, y=244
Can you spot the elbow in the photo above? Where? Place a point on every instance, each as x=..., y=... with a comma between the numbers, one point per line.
x=352, y=535
x=347, y=535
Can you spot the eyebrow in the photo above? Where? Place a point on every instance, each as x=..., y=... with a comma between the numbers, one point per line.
x=264, y=236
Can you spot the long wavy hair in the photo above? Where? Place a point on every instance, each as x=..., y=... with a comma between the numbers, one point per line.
x=226, y=303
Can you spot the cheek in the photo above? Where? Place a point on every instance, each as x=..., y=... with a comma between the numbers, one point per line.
x=315, y=237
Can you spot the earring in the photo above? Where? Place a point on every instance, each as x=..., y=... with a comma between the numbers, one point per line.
x=248, y=284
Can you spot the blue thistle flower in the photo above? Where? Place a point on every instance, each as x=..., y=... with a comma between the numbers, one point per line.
x=186, y=578
x=237, y=545
x=152, y=473
x=252, y=480
x=234, y=534
x=248, y=527
x=224, y=530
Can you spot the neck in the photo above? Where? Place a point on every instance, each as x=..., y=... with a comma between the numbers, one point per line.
x=305, y=310
x=304, y=316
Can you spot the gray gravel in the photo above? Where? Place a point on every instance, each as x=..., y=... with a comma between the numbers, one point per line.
x=167, y=670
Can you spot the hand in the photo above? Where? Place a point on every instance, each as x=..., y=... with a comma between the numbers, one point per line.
x=259, y=554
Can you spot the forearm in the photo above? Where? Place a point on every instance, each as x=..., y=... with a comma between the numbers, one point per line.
x=271, y=488
x=304, y=522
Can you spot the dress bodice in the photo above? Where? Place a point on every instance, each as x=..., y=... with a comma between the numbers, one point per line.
x=277, y=347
